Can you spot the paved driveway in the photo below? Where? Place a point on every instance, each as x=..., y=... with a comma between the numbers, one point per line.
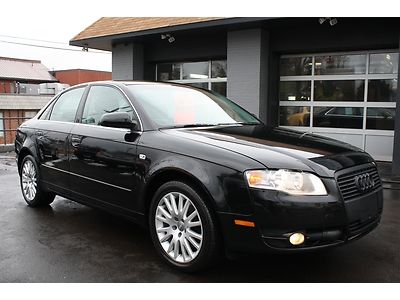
x=69, y=242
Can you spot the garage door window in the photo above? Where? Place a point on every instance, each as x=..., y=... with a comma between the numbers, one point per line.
x=340, y=94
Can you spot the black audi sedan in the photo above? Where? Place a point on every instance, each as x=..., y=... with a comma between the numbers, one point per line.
x=200, y=172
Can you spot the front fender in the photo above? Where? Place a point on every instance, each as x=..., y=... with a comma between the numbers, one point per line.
x=225, y=187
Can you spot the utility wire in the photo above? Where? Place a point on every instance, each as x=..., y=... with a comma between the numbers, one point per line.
x=52, y=47
x=29, y=39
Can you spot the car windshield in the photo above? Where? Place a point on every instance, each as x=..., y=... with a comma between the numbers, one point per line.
x=178, y=106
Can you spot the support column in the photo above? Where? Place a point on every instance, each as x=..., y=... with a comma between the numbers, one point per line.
x=396, y=139
x=127, y=61
x=247, y=60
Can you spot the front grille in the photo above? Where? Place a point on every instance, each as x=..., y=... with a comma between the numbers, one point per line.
x=347, y=182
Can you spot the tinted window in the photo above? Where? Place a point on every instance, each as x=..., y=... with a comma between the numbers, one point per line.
x=295, y=90
x=104, y=99
x=66, y=106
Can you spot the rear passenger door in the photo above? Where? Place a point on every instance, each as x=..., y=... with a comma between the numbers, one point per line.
x=102, y=158
x=52, y=133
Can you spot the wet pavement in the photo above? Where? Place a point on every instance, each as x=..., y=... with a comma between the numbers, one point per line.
x=69, y=242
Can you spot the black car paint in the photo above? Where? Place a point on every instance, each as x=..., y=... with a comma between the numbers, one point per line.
x=101, y=167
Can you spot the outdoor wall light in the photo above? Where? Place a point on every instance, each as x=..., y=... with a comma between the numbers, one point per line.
x=168, y=36
x=332, y=21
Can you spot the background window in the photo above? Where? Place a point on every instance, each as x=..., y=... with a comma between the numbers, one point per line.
x=382, y=90
x=1, y=124
x=381, y=118
x=66, y=106
x=340, y=64
x=196, y=70
x=218, y=69
x=210, y=75
x=167, y=72
x=339, y=90
x=295, y=115
x=219, y=87
x=383, y=63
x=338, y=117
x=101, y=100
x=295, y=90
x=295, y=66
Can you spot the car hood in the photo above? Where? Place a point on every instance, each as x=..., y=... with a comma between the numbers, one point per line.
x=279, y=148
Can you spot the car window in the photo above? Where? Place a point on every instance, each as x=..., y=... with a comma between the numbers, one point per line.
x=66, y=106
x=104, y=99
x=170, y=105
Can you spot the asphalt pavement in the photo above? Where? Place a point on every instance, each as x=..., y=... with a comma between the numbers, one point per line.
x=69, y=242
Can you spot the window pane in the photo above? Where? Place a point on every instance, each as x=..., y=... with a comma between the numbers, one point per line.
x=218, y=69
x=28, y=114
x=1, y=124
x=294, y=116
x=340, y=64
x=295, y=90
x=202, y=85
x=338, y=117
x=168, y=72
x=383, y=63
x=219, y=87
x=382, y=90
x=381, y=118
x=293, y=66
x=101, y=100
x=339, y=90
x=197, y=70
x=66, y=106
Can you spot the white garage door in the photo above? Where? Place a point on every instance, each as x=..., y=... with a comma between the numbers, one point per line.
x=346, y=96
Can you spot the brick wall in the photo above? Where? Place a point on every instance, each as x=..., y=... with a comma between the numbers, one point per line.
x=11, y=120
x=7, y=86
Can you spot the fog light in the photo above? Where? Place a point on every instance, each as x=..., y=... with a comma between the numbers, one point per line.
x=296, y=238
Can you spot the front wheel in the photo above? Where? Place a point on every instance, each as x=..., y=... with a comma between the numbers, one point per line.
x=182, y=227
x=33, y=194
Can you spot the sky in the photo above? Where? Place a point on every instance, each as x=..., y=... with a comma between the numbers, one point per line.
x=59, y=21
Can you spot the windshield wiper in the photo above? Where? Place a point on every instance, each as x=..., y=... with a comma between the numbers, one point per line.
x=240, y=123
x=188, y=126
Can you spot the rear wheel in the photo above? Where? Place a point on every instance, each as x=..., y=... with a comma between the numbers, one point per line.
x=182, y=227
x=33, y=193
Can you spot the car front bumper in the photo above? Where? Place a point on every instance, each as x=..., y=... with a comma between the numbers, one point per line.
x=325, y=221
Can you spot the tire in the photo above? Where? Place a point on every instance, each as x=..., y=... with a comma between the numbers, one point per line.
x=187, y=240
x=31, y=189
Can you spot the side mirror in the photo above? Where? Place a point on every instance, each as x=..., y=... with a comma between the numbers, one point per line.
x=118, y=120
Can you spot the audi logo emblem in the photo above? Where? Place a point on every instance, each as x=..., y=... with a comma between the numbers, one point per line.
x=364, y=182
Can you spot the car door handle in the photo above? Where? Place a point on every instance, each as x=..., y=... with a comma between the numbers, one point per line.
x=76, y=140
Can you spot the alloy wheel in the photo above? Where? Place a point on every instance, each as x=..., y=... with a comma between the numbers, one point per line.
x=179, y=227
x=29, y=180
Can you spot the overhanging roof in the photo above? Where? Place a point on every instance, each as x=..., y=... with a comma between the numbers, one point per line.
x=101, y=33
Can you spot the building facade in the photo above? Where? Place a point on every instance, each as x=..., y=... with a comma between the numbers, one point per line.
x=76, y=76
x=332, y=76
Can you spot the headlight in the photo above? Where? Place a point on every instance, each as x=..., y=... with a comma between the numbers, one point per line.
x=294, y=183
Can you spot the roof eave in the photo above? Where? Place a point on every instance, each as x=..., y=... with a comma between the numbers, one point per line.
x=105, y=42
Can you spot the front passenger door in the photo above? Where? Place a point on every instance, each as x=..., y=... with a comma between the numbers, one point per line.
x=103, y=160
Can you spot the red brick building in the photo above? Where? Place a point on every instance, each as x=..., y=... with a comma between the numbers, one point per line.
x=76, y=76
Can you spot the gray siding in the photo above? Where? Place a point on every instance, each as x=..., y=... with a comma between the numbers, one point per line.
x=122, y=62
x=244, y=71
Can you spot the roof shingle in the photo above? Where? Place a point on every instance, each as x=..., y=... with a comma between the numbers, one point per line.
x=116, y=25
